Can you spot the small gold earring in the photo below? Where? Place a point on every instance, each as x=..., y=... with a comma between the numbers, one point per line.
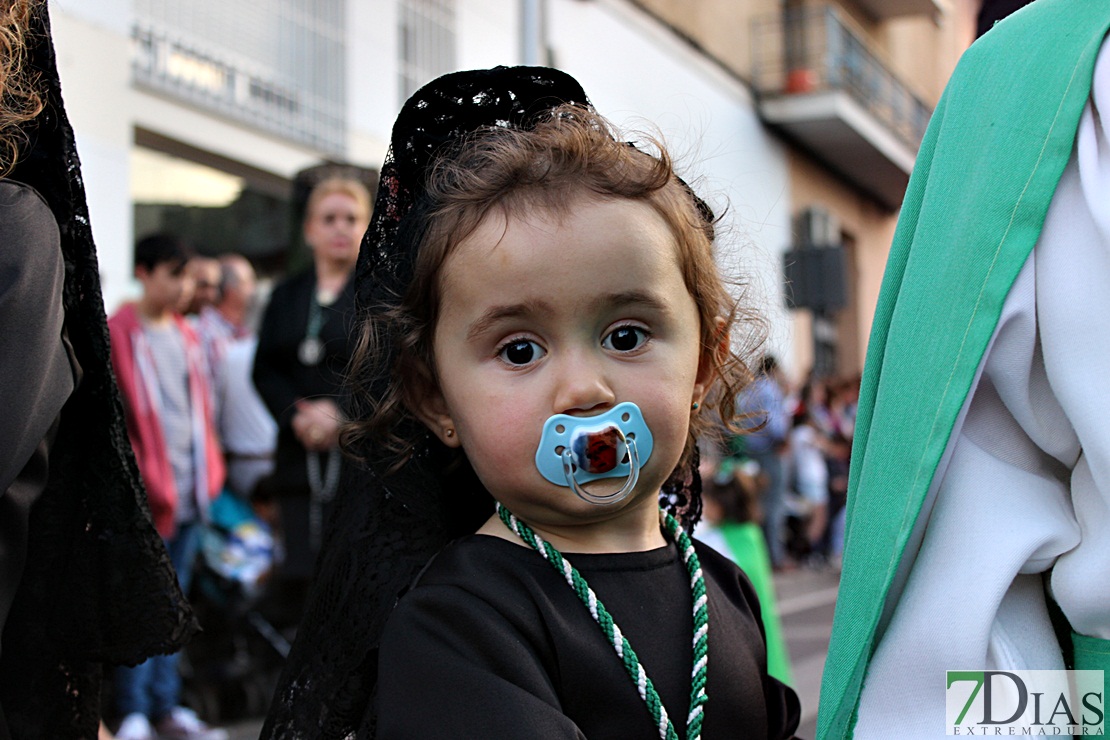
x=449, y=433
x=694, y=406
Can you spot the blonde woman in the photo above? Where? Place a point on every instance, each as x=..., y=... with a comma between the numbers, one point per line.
x=303, y=351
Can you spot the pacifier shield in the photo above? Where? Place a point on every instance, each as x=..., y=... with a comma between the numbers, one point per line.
x=597, y=444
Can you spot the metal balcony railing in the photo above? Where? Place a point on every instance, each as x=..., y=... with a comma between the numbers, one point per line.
x=272, y=64
x=812, y=49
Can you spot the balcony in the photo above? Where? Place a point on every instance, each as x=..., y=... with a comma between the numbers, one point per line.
x=272, y=65
x=819, y=83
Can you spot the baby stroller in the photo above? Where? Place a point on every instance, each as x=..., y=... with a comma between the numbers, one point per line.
x=230, y=669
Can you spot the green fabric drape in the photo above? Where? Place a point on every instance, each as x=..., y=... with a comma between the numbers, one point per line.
x=986, y=172
x=1091, y=654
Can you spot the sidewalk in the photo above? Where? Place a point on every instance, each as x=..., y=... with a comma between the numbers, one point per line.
x=245, y=730
x=806, y=601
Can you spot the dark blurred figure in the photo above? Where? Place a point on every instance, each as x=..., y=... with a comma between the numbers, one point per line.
x=84, y=577
x=992, y=11
x=247, y=430
x=225, y=318
x=809, y=476
x=766, y=416
x=838, y=457
x=204, y=275
x=304, y=346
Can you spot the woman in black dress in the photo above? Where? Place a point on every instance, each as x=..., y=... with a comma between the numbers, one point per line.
x=303, y=350
x=85, y=580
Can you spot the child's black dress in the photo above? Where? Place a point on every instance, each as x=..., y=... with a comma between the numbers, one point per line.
x=492, y=643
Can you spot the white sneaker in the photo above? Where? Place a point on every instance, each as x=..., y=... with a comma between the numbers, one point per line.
x=184, y=724
x=135, y=726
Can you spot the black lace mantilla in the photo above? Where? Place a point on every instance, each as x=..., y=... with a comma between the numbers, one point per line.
x=384, y=529
x=98, y=587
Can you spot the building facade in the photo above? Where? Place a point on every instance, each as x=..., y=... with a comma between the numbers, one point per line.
x=798, y=121
x=847, y=86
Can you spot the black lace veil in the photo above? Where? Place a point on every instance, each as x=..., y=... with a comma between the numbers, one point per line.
x=385, y=527
x=98, y=586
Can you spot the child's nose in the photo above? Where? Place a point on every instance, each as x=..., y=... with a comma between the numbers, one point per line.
x=583, y=387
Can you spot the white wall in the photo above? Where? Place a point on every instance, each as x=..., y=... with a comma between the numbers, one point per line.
x=640, y=76
x=94, y=66
x=372, y=78
x=109, y=15
x=488, y=33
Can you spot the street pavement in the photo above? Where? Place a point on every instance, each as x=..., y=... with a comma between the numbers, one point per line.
x=246, y=730
x=806, y=599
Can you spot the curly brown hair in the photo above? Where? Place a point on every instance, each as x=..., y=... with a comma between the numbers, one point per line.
x=20, y=100
x=511, y=171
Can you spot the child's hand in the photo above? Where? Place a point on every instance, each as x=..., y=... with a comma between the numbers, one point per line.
x=316, y=424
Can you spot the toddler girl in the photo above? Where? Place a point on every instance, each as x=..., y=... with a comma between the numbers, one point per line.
x=543, y=326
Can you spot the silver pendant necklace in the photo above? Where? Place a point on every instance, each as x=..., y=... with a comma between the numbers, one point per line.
x=311, y=349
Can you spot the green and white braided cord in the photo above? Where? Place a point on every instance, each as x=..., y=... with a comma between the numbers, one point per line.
x=621, y=646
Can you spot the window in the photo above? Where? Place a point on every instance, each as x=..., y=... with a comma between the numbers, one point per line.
x=279, y=65
x=427, y=42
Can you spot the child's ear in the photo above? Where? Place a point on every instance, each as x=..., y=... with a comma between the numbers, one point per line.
x=429, y=405
x=712, y=357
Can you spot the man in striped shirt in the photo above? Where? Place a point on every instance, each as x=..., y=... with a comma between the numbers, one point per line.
x=248, y=432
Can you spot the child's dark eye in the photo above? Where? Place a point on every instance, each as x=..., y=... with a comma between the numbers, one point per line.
x=625, y=338
x=521, y=352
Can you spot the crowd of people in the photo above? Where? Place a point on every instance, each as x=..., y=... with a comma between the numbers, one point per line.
x=226, y=416
x=792, y=461
x=818, y=450
x=775, y=496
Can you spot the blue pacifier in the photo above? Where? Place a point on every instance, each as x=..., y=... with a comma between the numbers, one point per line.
x=575, y=450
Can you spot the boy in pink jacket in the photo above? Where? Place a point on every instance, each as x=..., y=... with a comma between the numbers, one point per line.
x=163, y=380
